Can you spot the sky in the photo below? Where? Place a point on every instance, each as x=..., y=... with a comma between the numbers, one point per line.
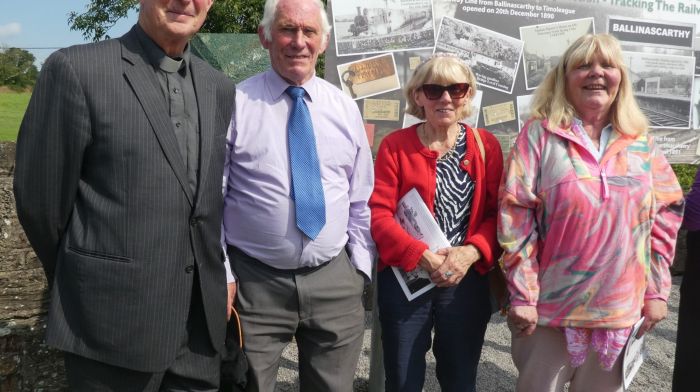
x=44, y=24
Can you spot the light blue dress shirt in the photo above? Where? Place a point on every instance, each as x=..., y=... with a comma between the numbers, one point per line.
x=258, y=210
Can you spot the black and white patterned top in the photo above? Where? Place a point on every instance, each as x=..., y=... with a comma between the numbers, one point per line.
x=454, y=193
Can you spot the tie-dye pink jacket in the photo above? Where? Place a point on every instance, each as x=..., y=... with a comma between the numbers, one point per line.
x=587, y=242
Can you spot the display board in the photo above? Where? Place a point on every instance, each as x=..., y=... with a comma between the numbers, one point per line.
x=510, y=45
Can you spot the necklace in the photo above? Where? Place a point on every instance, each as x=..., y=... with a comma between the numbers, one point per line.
x=453, y=150
x=448, y=153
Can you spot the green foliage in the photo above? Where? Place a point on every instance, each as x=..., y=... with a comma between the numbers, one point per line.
x=234, y=16
x=99, y=17
x=12, y=108
x=686, y=174
x=321, y=65
x=225, y=16
x=17, y=69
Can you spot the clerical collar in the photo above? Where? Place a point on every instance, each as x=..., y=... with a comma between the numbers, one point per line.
x=158, y=58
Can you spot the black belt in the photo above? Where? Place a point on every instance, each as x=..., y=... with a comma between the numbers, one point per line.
x=301, y=270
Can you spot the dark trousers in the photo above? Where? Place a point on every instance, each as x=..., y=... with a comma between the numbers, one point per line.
x=459, y=315
x=196, y=367
x=687, y=366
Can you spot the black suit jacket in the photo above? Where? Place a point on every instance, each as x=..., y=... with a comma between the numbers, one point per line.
x=103, y=196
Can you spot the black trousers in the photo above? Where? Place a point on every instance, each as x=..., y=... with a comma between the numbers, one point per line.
x=687, y=366
x=196, y=367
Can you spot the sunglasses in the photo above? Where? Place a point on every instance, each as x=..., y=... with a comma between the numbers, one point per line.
x=435, y=91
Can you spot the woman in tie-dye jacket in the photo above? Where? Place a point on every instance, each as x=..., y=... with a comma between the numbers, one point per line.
x=589, y=211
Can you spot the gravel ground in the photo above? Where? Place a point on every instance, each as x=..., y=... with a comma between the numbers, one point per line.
x=496, y=369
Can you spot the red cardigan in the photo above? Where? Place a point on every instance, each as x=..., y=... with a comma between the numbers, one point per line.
x=402, y=163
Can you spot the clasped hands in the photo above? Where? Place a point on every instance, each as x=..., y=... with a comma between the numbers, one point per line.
x=447, y=267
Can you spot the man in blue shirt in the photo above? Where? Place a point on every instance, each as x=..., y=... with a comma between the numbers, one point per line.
x=296, y=221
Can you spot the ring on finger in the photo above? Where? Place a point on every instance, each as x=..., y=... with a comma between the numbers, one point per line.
x=448, y=274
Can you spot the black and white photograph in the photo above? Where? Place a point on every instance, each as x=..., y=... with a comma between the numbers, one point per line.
x=647, y=27
x=657, y=36
x=545, y=43
x=492, y=56
x=696, y=103
x=369, y=77
x=413, y=283
x=662, y=85
x=372, y=26
x=678, y=145
x=696, y=53
x=524, y=103
x=444, y=8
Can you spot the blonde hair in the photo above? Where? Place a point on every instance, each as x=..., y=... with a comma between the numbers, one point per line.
x=441, y=69
x=550, y=100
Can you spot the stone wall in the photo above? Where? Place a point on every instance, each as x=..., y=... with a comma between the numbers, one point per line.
x=26, y=364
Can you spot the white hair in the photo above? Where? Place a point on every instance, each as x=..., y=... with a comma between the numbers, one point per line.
x=270, y=14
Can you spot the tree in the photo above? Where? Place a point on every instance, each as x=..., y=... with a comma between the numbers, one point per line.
x=99, y=17
x=225, y=16
x=17, y=69
x=234, y=16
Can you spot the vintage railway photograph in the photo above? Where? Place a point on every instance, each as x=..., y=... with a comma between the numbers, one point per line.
x=545, y=43
x=372, y=26
x=494, y=57
x=662, y=85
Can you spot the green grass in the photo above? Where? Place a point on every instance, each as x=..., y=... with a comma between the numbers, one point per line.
x=12, y=107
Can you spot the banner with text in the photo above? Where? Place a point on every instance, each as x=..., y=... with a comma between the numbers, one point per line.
x=510, y=45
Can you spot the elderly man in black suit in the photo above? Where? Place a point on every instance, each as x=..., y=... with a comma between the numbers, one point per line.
x=118, y=187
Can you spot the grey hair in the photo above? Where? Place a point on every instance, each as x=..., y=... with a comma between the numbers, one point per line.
x=270, y=13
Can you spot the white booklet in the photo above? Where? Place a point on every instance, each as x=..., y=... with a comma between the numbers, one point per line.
x=634, y=354
x=415, y=217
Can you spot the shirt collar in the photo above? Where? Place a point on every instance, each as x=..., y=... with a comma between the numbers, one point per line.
x=277, y=86
x=158, y=58
x=605, y=134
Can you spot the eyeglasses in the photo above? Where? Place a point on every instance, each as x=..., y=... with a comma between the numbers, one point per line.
x=435, y=91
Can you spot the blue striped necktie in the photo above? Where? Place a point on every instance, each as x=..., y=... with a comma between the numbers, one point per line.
x=307, y=190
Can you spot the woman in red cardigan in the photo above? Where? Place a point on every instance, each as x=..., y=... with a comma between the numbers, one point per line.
x=457, y=174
